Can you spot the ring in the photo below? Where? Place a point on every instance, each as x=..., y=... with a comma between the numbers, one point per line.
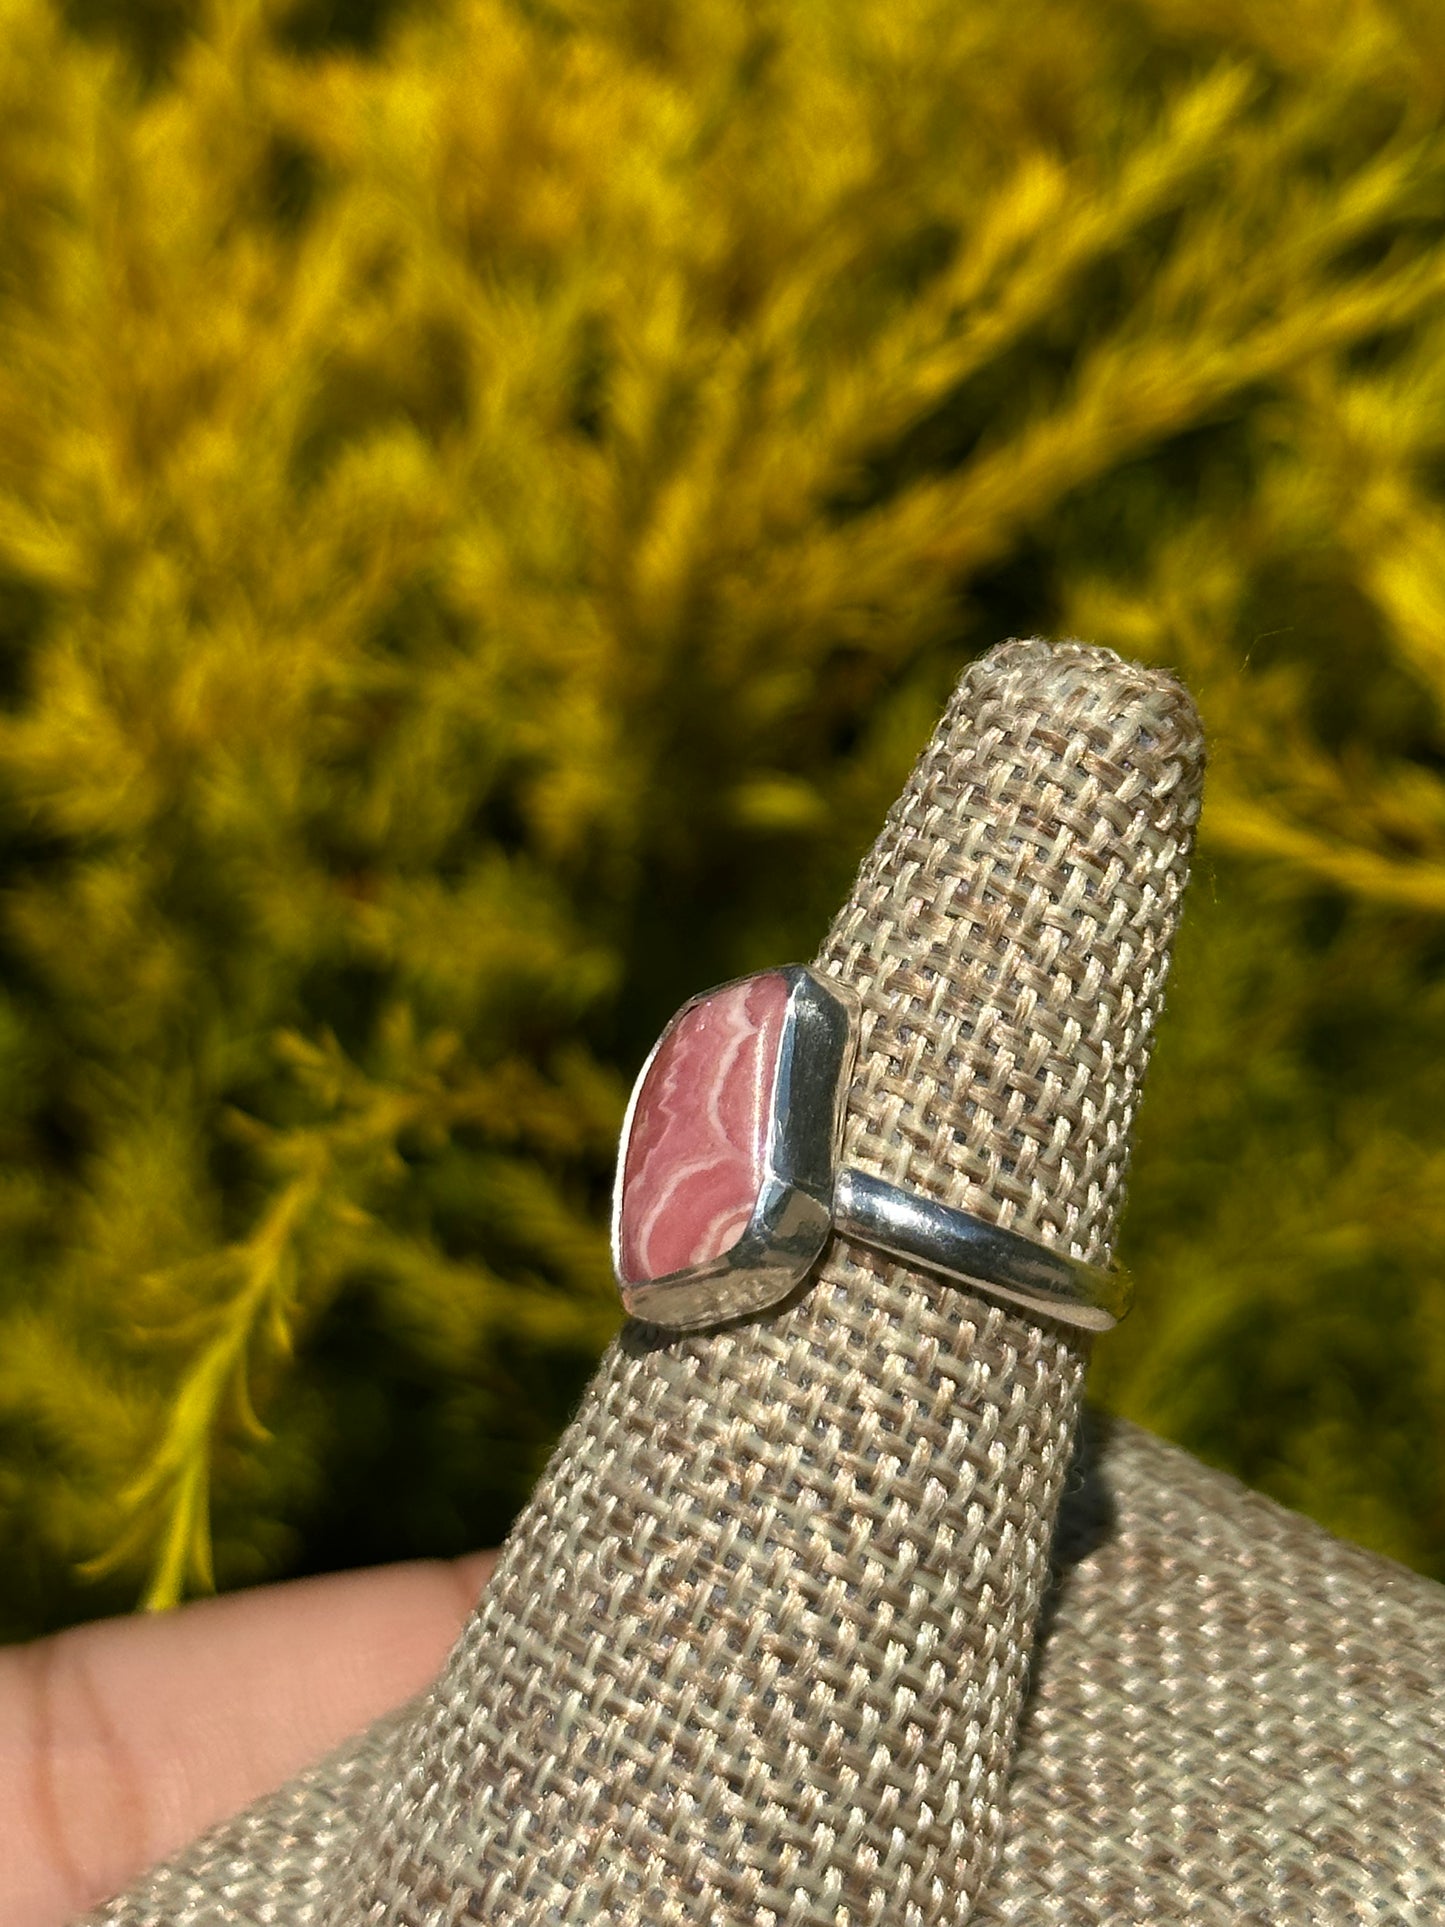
x=728, y=1180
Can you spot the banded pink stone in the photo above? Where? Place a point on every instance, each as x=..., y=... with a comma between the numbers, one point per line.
x=696, y=1151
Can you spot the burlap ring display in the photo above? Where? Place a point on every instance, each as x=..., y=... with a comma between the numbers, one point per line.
x=757, y=1649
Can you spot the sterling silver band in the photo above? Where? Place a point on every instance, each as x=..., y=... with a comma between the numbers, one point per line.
x=957, y=1245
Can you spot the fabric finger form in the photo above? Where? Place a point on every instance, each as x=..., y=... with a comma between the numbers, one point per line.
x=1232, y=1716
x=756, y=1649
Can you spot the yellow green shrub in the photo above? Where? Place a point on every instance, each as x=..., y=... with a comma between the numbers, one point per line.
x=492, y=496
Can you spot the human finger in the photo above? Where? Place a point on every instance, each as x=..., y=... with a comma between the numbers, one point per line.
x=121, y=1740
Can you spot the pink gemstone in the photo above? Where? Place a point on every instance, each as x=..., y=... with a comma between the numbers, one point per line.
x=695, y=1154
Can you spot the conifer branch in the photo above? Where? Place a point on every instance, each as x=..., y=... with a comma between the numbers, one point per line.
x=169, y=1497
x=482, y=532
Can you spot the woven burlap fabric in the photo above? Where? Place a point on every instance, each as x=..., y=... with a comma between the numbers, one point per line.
x=757, y=1647
x=1234, y=1718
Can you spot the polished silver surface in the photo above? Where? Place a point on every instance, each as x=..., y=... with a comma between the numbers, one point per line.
x=794, y=1214
x=804, y=1198
x=971, y=1251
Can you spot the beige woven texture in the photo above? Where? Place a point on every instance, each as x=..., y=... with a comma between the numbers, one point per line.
x=757, y=1648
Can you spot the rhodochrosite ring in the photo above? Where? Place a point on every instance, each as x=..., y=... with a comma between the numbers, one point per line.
x=728, y=1179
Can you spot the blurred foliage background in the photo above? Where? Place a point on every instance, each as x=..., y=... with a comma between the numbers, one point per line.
x=493, y=494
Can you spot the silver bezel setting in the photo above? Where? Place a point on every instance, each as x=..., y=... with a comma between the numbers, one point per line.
x=793, y=1215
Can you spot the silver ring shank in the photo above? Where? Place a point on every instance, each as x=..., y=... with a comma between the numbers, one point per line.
x=956, y=1244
